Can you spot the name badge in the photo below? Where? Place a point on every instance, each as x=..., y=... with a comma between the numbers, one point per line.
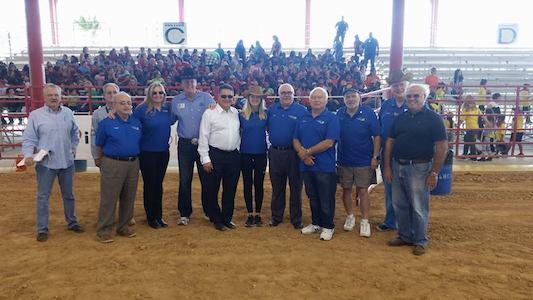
x=292, y=117
x=361, y=119
x=181, y=105
x=321, y=122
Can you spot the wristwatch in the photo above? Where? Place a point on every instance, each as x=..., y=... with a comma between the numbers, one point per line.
x=376, y=157
x=433, y=173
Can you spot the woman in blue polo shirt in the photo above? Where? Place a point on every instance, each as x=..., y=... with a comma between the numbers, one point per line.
x=314, y=140
x=253, y=120
x=156, y=119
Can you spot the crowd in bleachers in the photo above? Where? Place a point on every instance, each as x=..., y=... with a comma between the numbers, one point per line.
x=240, y=68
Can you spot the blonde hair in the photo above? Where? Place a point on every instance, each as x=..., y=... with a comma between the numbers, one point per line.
x=148, y=99
x=247, y=110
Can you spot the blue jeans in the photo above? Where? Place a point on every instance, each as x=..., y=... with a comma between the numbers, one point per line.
x=411, y=201
x=320, y=187
x=45, y=181
x=390, y=216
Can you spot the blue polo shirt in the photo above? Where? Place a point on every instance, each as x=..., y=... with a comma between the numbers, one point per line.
x=155, y=127
x=356, y=145
x=311, y=131
x=253, y=134
x=388, y=112
x=281, y=123
x=118, y=137
x=189, y=113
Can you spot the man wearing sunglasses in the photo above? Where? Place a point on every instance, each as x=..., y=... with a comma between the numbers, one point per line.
x=414, y=154
x=188, y=107
x=218, y=145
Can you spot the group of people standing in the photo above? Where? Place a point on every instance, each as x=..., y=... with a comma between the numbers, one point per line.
x=316, y=147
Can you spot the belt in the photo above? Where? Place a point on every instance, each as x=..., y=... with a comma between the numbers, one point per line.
x=123, y=158
x=282, y=148
x=412, y=161
x=193, y=141
x=211, y=148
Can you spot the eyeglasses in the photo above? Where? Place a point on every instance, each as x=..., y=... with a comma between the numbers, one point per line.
x=160, y=93
x=226, y=96
x=413, y=96
x=286, y=93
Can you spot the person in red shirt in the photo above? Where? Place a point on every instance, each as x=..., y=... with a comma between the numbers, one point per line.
x=432, y=79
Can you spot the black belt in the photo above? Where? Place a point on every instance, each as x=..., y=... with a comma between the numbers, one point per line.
x=211, y=148
x=188, y=141
x=412, y=161
x=123, y=158
x=282, y=148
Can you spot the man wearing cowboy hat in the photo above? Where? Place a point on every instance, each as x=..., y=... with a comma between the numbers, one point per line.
x=389, y=110
x=189, y=107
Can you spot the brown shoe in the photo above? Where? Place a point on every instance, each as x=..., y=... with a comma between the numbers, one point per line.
x=397, y=242
x=128, y=232
x=419, y=250
x=105, y=238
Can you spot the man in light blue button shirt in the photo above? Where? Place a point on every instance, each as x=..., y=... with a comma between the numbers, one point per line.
x=188, y=107
x=52, y=128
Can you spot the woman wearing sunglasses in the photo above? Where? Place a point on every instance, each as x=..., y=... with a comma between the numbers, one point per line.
x=156, y=118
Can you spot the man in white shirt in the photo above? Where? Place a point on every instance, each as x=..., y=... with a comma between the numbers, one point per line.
x=218, y=145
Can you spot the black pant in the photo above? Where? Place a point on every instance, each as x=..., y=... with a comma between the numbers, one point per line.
x=226, y=168
x=253, y=173
x=153, y=168
x=285, y=164
x=320, y=188
x=470, y=136
x=187, y=156
x=369, y=57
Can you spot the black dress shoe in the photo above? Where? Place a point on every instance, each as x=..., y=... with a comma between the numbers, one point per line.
x=77, y=228
x=220, y=226
x=257, y=220
x=273, y=223
x=230, y=225
x=249, y=221
x=162, y=223
x=42, y=237
x=298, y=226
x=154, y=224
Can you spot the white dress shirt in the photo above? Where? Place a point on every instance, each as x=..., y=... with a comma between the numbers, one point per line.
x=219, y=129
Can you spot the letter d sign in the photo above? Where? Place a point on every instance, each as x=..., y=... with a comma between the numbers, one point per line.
x=507, y=33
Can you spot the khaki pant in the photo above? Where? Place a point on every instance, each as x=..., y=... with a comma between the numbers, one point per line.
x=118, y=181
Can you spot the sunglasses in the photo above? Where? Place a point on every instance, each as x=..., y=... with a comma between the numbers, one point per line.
x=226, y=96
x=160, y=93
x=413, y=96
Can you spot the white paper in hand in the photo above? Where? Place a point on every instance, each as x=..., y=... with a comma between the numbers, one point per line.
x=37, y=157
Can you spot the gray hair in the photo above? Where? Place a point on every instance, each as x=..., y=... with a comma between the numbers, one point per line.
x=55, y=86
x=110, y=84
x=286, y=84
x=115, y=96
x=423, y=87
x=319, y=89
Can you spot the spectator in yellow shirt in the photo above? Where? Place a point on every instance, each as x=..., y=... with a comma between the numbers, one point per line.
x=501, y=146
x=482, y=94
x=470, y=116
x=518, y=124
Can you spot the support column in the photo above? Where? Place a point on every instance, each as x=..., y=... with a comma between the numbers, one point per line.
x=396, y=45
x=35, y=53
x=53, y=21
x=181, y=4
x=307, y=23
x=434, y=21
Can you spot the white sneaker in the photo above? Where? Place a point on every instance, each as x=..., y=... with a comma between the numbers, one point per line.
x=206, y=217
x=183, y=221
x=327, y=234
x=364, y=230
x=310, y=229
x=349, y=224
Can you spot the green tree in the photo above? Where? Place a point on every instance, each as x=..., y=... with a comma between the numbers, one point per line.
x=89, y=25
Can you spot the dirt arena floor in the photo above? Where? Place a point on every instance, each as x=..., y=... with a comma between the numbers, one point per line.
x=481, y=247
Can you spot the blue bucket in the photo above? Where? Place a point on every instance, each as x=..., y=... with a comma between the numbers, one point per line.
x=80, y=165
x=444, y=184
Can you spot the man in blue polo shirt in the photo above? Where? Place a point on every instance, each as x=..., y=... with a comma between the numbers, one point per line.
x=314, y=140
x=188, y=107
x=283, y=160
x=117, y=146
x=390, y=109
x=357, y=156
x=413, y=170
